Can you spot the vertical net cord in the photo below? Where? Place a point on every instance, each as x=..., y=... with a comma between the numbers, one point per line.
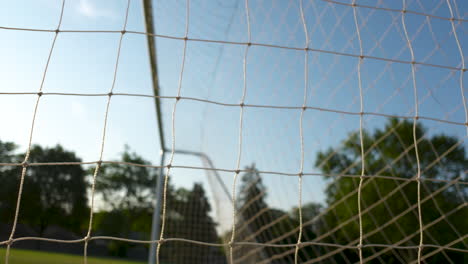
x=241, y=123
x=361, y=137
x=171, y=159
x=416, y=113
x=301, y=130
x=28, y=152
x=103, y=139
x=462, y=57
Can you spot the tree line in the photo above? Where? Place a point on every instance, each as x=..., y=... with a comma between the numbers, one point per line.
x=388, y=198
x=58, y=196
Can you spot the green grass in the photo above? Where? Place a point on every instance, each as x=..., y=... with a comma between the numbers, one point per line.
x=20, y=256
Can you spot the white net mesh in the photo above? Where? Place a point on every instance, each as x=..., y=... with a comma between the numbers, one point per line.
x=284, y=132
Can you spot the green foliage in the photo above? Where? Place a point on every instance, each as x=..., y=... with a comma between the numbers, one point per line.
x=128, y=194
x=51, y=195
x=391, y=152
x=126, y=187
x=260, y=223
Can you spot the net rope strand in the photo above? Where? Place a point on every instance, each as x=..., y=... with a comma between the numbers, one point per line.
x=448, y=67
x=397, y=11
x=301, y=130
x=388, y=177
x=171, y=158
x=322, y=109
x=31, y=132
x=361, y=137
x=136, y=241
x=416, y=113
x=103, y=138
x=462, y=58
x=241, y=123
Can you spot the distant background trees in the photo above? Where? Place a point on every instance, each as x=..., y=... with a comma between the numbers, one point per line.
x=391, y=205
x=57, y=196
x=52, y=195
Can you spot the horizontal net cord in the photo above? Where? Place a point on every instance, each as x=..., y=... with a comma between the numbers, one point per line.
x=438, y=250
x=397, y=11
x=223, y=170
x=245, y=44
x=302, y=244
x=245, y=105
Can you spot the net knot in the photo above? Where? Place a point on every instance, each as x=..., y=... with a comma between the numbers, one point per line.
x=10, y=242
x=300, y=174
x=39, y=94
x=361, y=57
x=123, y=32
x=416, y=117
x=169, y=166
x=242, y=104
x=99, y=163
x=87, y=238
x=177, y=98
x=231, y=244
x=237, y=171
x=24, y=164
x=249, y=44
x=304, y=108
x=110, y=94
x=161, y=241
x=404, y=11
x=57, y=31
x=464, y=70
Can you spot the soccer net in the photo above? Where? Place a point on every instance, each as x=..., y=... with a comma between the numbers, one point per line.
x=308, y=131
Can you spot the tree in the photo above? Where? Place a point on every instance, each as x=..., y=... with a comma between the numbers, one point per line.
x=391, y=152
x=128, y=195
x=52, y=194
x=125, y=186
x=190, y=219
x=9, y=179
x=260, y=222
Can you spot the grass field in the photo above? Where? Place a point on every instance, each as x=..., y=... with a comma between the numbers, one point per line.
x=20, y=256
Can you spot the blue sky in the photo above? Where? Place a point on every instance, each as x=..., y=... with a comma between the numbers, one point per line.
x=84, y=63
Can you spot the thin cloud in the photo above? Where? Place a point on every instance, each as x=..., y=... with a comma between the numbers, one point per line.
x=89, y=8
